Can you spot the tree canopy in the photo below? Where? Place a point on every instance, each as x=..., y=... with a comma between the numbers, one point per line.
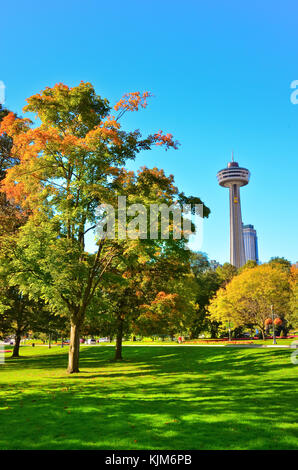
x=65, y=165
x=248, y=297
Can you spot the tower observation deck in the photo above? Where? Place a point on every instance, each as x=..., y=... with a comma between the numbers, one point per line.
x=233, y=177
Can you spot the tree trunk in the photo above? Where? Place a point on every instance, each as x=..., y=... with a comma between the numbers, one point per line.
x=74, y=349
x=118, y=351
x=263, y=334
x=213, y=330
x=16, y=347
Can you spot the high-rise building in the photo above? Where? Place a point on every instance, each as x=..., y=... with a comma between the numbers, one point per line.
x=233, y=177
x=250, y=243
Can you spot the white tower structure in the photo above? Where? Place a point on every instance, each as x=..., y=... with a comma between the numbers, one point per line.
x=233, y=177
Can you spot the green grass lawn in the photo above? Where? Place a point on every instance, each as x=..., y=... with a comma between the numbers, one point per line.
x=196, y=341
x=157, y=398
x=259, y=342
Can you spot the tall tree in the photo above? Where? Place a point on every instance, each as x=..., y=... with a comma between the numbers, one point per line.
x=16, y=309
x=68, y=165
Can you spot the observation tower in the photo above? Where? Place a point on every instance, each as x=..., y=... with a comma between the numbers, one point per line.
x=233, y=177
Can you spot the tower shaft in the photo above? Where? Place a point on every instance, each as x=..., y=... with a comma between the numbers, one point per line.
x=233, y=177
x=237, y=254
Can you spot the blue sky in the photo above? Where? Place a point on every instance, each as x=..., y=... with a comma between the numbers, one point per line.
x=220, y=72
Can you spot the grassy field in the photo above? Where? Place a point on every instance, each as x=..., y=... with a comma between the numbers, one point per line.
x=157, y=398
x=280, y=341
x=259, y=342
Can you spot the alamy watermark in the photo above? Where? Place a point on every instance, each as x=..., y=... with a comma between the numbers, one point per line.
x=2, y=92
x=294, y=94
x=294, y=355
x=152, y=222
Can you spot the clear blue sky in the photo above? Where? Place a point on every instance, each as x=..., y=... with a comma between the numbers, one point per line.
x=220, y=72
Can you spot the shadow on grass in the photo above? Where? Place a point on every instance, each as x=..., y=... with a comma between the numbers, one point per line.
x=183, y=398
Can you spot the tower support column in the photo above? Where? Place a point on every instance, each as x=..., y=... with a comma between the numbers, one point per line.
x=237, y=255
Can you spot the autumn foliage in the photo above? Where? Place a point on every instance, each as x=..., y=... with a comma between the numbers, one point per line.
x=251, y=295
x=64, y=133
x=65, y=165
x=133, y=101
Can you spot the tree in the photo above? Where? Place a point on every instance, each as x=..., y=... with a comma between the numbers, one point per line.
x=17, y=314
x=68, y=166
x=52, y=326
x=248, y=298
x=226, y=272
x=6, y=159
x=15, y=308
x=11, y=215
x=222, y=310
x=199, y=262
x=280, y=262
x=293, y=313
x=207, y=284
x=146, y=267
x=207, y=281
x=167, y=297
x=248, y=265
